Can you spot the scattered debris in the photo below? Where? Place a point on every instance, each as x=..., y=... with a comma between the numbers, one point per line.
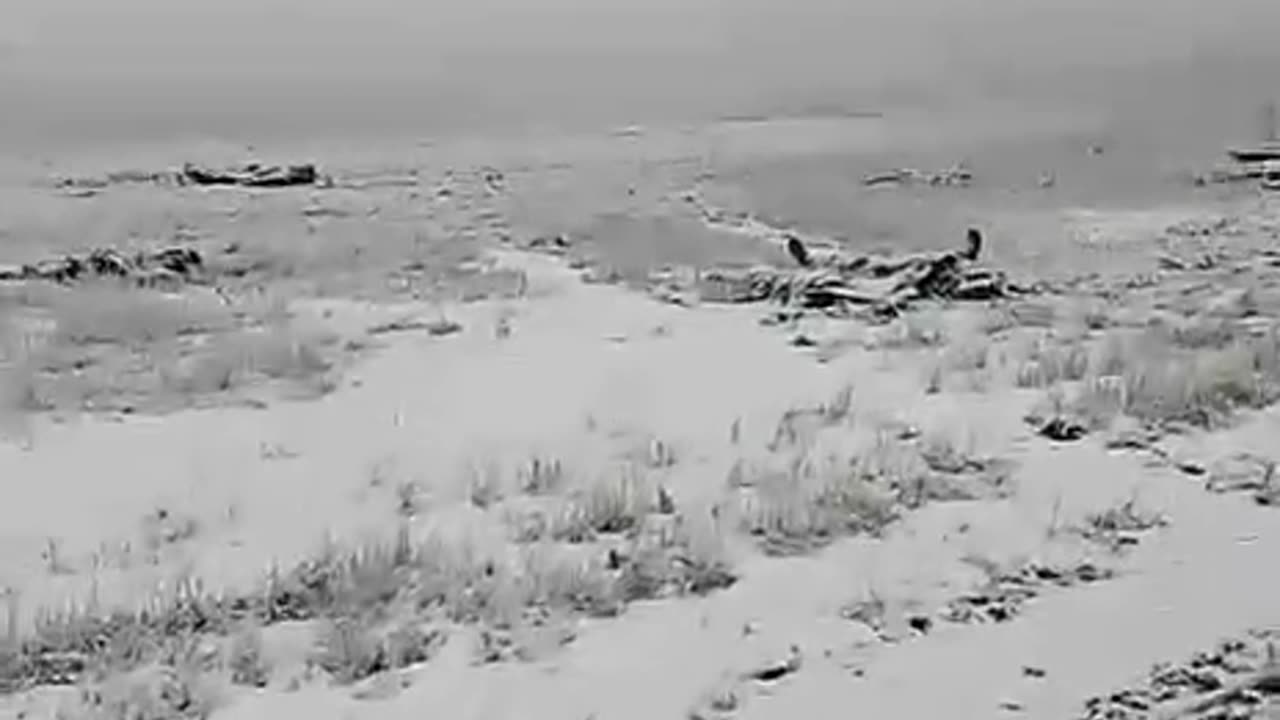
x=91, y=185
x=254, y=175
x=437, y=328
x=250, y=174
x=1003, y=596
x=836, y=281
x=398, y=325
x=956, y=175
x=1202, y=261
x=1240, y=678
x=175, y=263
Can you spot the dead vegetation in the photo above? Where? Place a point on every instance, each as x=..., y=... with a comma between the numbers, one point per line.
x=383, y=605
x=1164, y=379
x=801, y=496
x=105, y=347
x=1121, y=526
x=581, y=544
x=1005, y=587
x=374, y=608
x=1195, y=371
x=1004, y=593
x=230, y=325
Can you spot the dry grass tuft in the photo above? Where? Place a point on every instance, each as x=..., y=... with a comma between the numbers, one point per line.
x=613, y=503
x=349, y=650
x=802, y=498
x=800, y=426
x=106, y=347
x=383, y=605
x=542, y=476
x=1119, y=526
x=812, y=503
x=1161, y=378
x=1050, y=363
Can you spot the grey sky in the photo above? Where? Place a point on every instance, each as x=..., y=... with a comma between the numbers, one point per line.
x=80, y=69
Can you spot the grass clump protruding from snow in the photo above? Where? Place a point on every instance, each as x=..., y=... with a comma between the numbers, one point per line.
x=106, y=347
x=375, y=606
x=811, y=504
x=1157, y=379
x=1050, y=363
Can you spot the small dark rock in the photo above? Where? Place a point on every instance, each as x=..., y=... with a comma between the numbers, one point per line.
x=777, y=670
x=920, y=623
x=1192, y=468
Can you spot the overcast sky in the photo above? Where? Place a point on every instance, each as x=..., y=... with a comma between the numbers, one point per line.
x=156, y=66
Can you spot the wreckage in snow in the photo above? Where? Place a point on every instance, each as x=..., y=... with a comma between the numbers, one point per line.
x=956, y=176
x=832, y=279
x=248, y=175
x=164, y=266
x=1260, y=161
x=252, y=175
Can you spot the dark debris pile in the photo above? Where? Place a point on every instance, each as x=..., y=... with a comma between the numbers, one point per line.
x=166, y=265
x=955, y=176
x=255, y=175
x=245, y=175
x=839, y=281
x=1237, y=680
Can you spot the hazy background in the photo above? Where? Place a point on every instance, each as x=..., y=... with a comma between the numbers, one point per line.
x=92, y=73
